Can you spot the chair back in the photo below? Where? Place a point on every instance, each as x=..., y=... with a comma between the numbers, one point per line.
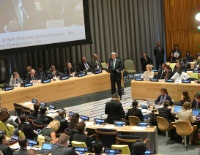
x=37, y=125
x=103, y=64
x=11, y=129
x=40, y=140
x=172, y=66
x=3, y=127
x=129, y=66
x=124, y=148
x=194, y=75
x=21, y=134
x=26, y=111
x=18, y=109
x=183, y=128
x=163, y=124
x=133, y=120
x=78, y=144
x=104, y=134
x=30, y=119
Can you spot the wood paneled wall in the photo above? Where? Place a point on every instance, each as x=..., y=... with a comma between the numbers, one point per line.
x=181, y=26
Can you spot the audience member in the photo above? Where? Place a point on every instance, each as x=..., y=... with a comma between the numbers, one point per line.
x=161, y=71
x=15, y=79
x=178, y=65
x=62, y=147
x=36, y=107
x=177, y=52
x=139, y=147
x=81, y=136
x=73, y=121
x=185, y=64
x=196, y=101
x=69, y=70
x=189, y=57
x=41, y=73
x=26, y=127
x=179, y=75
x=167, y=73
x=52, y=73
x=84, y=65
x=196, y=64
x=148, y=73
x=6, y=150
x=6, y=119
x=23, y=143
x=185, y=97
x=62, y=120
x=159, y=55
x=145, y=60
x=97, y=147
x=114, y=109
x=50, y=130
x=32, y=152
x=96, y=64
x=41, y=117
x=32, y=76
x=134, y=111
x=163, y=97
x=171, y=58
x=186, y=115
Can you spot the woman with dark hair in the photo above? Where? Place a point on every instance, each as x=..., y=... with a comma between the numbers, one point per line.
x=134, y=111
x=26, y=128
x=73, y=121
x=36, y=110
x=171, y=58
x=185, y=97
x=189, y=57
x=164, y=97
x=167, y=74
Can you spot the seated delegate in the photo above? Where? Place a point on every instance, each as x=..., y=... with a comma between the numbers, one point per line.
x=167, y=74
x=148, y=73
x=15, y=79
x=134, y=111
x=196, y=101
x=179, y=75
x=163, y=97
x=185, y=97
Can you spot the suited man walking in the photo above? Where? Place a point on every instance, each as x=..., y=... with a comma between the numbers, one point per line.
x=159, y=55
x=115, y=66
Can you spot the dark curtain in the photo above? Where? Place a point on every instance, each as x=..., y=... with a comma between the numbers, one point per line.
x=127, y=27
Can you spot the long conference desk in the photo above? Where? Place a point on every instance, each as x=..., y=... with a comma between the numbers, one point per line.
x=151, y=90
x=57, y=90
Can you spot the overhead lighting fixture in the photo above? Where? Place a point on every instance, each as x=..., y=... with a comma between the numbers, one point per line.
x=197, y=17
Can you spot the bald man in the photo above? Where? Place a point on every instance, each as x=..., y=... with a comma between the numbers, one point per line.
x=62, y=120
x=32, y=76
x=96, y=64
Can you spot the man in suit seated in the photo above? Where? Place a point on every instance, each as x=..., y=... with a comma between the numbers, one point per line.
x=84, y=65
x=6, y=150
x=41, y=117
x=145, y=61
x=96, y=64
x=196, y=101
x=69, y=70
x=23, y=147
x=62, y=120
x=62, y=147
x=161, y=71
x=178, y=65
x=114, y=109
x=32, y=76
x=41, y=73
x=26, y=73
x=52, y=73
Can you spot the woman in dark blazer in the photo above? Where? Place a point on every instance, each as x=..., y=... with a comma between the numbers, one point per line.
x=134, y=111
x=164, y=97
x=185, y=97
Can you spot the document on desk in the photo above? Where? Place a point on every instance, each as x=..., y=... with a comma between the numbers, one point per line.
x=15, y=146
x=138, y=128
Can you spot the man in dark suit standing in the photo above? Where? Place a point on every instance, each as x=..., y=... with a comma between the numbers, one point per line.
x=145, y=61
x=84, y=65
x=115, y=66
x=62, y=147
x=114, y=110
x=96, y=64
x=159, y=55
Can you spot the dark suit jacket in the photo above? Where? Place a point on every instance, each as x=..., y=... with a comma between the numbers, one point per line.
x=138, y=113
x=114, y=110
x=81, y=137
x=94, y=64
x=62, y=150
x=118, y=67
x=50, y=74
x=28, y=130
x=63, y=124
x=43, y=119
x=82, y=66
x=66, y=71
x=36, y=77
x=185, y=65
x=159, y=54
x=183, y=101
x=167, y=98
x=41, y=73
x=145, y=62
x=195, y=105
x=170, y=74
x=6, y=150
x=171, y=59
x=166, y=113
x=21, y=152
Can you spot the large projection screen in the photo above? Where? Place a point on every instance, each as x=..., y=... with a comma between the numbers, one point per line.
x=25, y=23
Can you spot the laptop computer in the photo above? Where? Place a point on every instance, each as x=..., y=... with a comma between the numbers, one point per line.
x=150, y=102
x=46, y=148
x=195, y=112
x=177, y=108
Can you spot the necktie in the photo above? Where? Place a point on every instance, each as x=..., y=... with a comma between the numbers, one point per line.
x=97, y=62
x=114, y=64
x=86, y=66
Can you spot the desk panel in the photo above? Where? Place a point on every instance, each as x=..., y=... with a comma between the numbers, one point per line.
x=57, y=90
x=151, y=90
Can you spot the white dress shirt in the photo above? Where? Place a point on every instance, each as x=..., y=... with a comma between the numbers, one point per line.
x=182, y=76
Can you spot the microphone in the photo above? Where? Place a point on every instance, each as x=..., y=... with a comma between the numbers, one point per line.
x=28, y=98
x=24, y=11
